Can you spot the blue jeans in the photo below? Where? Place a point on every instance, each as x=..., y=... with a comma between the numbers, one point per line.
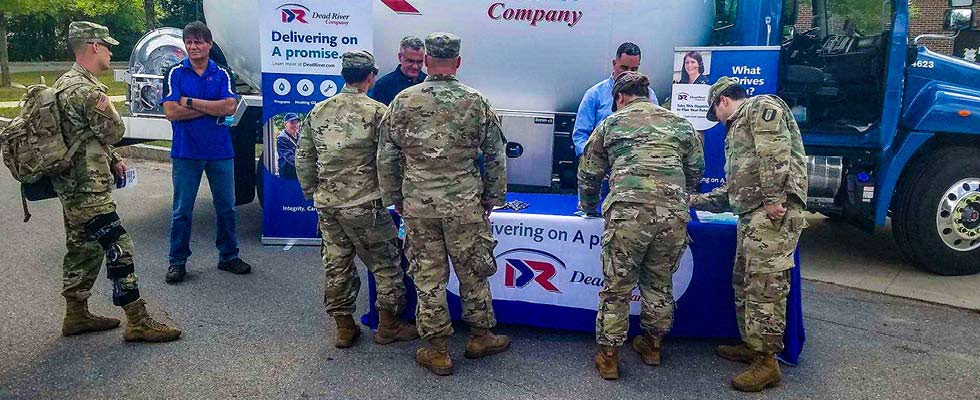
x=187, y=179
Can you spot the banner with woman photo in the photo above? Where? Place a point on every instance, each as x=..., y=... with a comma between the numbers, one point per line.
x=696, y=69
x=302, y=42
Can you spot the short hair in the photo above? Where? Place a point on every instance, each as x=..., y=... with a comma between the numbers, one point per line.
x=631, y=84
x=411, y=42
x=734, y=92
x=357, y=75
x=76, y=45
x=198, y=30
x=696, y=56
x=628, y=48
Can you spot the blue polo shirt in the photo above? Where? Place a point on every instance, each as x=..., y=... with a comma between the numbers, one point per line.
x=386, y=88
x=202, y=138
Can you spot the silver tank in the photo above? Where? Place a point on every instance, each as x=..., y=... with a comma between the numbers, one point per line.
x=520, y=66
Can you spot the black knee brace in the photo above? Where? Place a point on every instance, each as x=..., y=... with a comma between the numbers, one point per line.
x=107, y=229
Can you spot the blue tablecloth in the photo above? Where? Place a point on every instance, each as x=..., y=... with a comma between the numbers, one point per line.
x=706, y=309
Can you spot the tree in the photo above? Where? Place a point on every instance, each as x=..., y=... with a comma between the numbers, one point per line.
x=12, y=8
x=150, y=11
x=178, y=13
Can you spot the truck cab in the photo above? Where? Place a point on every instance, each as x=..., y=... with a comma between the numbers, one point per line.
x=890, y=127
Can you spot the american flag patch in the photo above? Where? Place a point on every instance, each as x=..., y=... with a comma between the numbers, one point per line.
x=103, y=102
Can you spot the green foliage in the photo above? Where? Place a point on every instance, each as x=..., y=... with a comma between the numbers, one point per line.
x=177, y=13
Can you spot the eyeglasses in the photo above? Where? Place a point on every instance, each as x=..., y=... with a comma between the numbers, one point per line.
x=103, y=44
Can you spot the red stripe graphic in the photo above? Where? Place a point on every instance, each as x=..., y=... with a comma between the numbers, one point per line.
x=401, y=7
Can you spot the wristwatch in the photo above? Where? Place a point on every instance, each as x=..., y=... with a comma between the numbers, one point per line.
x=190, y=103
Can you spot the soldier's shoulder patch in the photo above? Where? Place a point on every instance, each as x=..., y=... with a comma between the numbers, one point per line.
x=102, y=102
x=768, y=114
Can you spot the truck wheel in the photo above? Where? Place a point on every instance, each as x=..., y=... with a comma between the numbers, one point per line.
x=259, y=179
x=937, y=217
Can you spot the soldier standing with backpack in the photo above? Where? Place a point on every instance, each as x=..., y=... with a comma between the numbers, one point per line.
x=92, y=227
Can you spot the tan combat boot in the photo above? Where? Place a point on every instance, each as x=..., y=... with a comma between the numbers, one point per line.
x=607, y=362
x=141, y=328
x=762, y=373
x=347, y=331
x=649, y=348
x=435, y=358
x=391, y=329
x=78, y=320
x=483, y=343
x=738, y=353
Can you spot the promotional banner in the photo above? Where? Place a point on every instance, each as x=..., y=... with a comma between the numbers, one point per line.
x=556, y=260
x=696, y=69
x=302, y=43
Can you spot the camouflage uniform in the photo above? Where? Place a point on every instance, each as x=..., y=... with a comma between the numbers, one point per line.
x=336, y=167
x=430, y=138
x=92, y=228
x=765, y=164
x=655, y=158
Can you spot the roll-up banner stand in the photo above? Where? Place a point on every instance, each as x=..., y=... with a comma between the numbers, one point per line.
x=696, y=69
x=302, y=42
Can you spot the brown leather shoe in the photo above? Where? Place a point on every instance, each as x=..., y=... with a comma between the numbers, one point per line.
x=762, y=373
x=347, y=331
x=391, y=329
x=483, y=343
x=738, y=353
x=140, y=327
x=435, y=358
x=79, y=320
x=607, y=362
x=649, y=349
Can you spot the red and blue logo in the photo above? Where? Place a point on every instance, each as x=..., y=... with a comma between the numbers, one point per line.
x=294, y=12
x=523, y=266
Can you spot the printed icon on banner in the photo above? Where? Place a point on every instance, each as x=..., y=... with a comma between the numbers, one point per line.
x=282, y=86
x=522, y=266
x=305, y=87
x=328, y=88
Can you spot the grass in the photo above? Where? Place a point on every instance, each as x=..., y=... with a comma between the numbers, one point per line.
x=30, y=78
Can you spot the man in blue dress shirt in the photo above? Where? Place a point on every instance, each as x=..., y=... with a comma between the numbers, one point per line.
x=411, y=55
x=597, y=103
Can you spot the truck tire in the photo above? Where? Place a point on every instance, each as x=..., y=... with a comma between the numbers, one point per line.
x=936, y=222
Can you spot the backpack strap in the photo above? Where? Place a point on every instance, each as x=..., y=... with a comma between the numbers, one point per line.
x=23, y=202
x=81, y=139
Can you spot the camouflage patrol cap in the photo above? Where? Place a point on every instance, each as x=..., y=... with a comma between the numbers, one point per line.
x=629, y=81
x=84, y=30
x=715, y=92
x=359, y=59
x=442, y=45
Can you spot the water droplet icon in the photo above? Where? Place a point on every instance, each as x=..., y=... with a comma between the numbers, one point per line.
x=282, y=87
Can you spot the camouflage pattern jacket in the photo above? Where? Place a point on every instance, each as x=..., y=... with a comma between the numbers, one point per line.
x=430, y=138
x=765, y=159
x=336, y=158
x=653, y=157
x=90, y=116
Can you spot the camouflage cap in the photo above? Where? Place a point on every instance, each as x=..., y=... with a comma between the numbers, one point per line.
x=357, y=59
x=715, y=91
x=626, y=81
x=84, y=30
x=442, y=45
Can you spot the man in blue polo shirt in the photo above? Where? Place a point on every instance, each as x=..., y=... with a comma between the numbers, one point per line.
x=197, y=96
x=597, y=103
x=411, y=55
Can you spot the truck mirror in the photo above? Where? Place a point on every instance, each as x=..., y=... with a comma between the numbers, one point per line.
x=960, y=3
x=958, y=19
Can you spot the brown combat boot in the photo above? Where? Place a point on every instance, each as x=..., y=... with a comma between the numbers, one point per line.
x=435, y=358
x=607, y=362
x=347, y=331
x=761, y=374
x=483, y=343
x=141, y=328
x=649, y=348
x=78, y=320
x=739, y=353
x=391, y=329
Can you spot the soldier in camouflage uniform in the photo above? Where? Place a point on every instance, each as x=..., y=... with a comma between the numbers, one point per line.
x=430, y=139
x=92, y=227
x=336, y=167
x=766, y=186
x=654, y=158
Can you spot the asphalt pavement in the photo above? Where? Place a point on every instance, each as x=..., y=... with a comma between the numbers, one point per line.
x=265, y=335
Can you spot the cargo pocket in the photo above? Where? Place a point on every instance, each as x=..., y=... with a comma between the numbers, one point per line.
x=485, y=263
